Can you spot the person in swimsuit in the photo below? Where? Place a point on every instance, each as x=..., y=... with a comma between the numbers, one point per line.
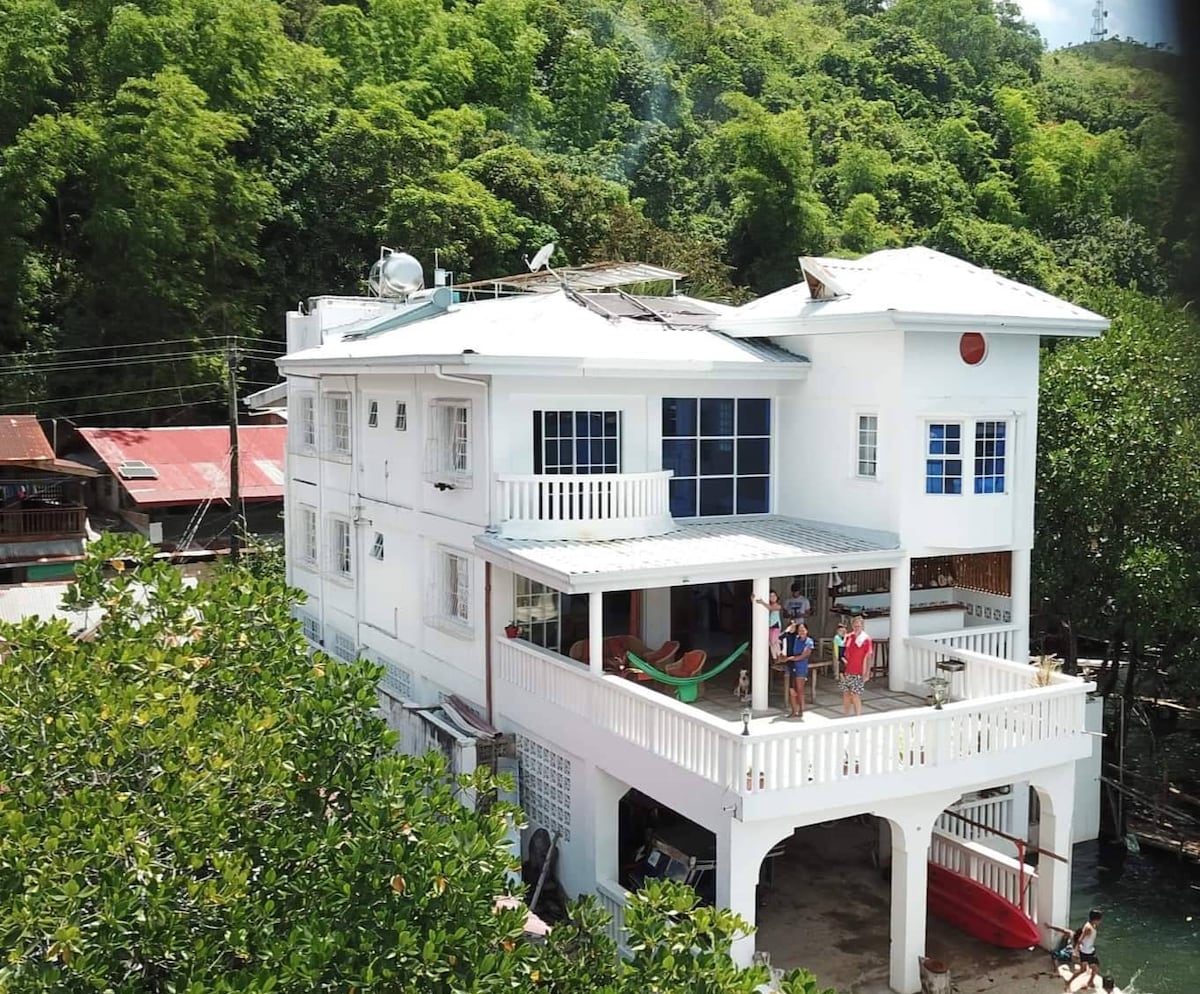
x=1085, y=950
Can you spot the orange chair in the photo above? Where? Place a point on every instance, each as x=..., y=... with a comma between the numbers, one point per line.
x=663, y=656
x=690, y=664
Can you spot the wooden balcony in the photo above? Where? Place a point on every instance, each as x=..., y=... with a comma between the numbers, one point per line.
x=584, y=507
x=33, y=524
x=1003, y=725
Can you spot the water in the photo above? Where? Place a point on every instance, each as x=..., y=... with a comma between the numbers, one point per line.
x=1150, y=938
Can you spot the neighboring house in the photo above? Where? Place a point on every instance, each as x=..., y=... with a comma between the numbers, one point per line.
x=597, y=464
x=43, y=513
x=172, y=484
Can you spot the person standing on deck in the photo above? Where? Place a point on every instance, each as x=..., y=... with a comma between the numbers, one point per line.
x=797, y=651
x=797, y=607
x=859, y=654
x=1085, y=950
x=774, y=621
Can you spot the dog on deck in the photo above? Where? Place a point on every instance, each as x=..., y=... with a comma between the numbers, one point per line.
x=742, y=690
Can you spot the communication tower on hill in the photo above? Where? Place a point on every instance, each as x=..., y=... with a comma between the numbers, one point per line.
x=1099, y=31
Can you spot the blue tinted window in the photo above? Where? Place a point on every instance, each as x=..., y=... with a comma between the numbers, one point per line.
x=943, y=475
x=683, y=498
x=719, y=449
x=716, y=495
x=754, y=416
x=990, y=456
x=753, y=495
x=577, y=441
x=716, y=417
x=679, y=417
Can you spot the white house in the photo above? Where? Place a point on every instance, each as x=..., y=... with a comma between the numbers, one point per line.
x=589, y=464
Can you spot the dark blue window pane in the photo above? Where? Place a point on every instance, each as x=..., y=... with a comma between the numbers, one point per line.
x=552, y=423
x=937, y=432
x=680, y=455
x=565, y=457
x=683, y=498
x=583, y=455
x=1000, y=447
x=753, y=456
x=753, y=495
x=933, y=484
x=954, y=486
x=582, y=423
x=954, y=467
x=678, y=417
x=953, y=446
x=716, y=416
x=550, y=455
x=953, y=431
x=716, y=458
x=716, y=496
x=935, y=467
x=936, y=447
x=610, y=452
x=611, y=420
x=754, y=417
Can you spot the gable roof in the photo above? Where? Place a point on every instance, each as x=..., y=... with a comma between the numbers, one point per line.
x=188, y=465
x=913, y=288
x=24, y=444
x=583, y=331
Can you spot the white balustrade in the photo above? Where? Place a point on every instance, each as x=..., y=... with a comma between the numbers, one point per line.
x=1006, y=876
x=583, y=507
x=791, y=757
x=613, y=898
x=984, y=817
x=984, y=675
x=990, y=640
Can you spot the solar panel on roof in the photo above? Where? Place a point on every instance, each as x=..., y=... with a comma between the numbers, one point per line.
x=135, y=469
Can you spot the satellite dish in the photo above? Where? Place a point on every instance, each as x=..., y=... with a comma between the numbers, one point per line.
x=396, y=274
x=541, y=258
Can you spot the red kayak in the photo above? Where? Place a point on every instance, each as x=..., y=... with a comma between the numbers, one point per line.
x=979, y=911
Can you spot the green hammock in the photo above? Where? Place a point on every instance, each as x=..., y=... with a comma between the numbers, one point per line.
x=687, y=687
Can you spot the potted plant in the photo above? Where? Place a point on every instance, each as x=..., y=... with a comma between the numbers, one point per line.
x=512, y=629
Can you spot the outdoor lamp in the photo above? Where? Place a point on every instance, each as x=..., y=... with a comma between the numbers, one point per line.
x=747, y=714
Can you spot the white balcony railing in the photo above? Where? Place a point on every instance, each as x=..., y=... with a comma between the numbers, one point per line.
x=613, y=898
x=584, y=507
x=990, y=640
x=895, y=743
x=983, y=676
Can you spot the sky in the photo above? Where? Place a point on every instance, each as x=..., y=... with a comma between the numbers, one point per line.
x=1063, y=22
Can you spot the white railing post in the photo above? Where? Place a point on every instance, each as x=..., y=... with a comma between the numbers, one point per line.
x=584, y=506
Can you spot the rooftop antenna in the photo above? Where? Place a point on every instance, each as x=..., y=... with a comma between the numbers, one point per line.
x=1099, y=31
x=541, y=259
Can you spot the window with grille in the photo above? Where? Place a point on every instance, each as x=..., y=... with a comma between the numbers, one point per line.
x=536, y=610
x=545, y=786
x=448, y=445
x=311, y=626
x=943, y=462
x=307, y=421
x=337, y=419
x=450, y=591
x=720, y=451
x=868, y=445
x=342, y=646
x=341, y=554
x=306, y=540
x=991, y=456
x=373, y=414
x=577, y=441
x=401, y=422
x=377, y=547
x=397, y=681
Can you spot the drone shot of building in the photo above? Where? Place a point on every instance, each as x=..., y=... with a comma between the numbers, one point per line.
x=558, y=503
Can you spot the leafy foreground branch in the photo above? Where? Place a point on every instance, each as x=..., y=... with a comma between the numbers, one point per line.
x=189, y=802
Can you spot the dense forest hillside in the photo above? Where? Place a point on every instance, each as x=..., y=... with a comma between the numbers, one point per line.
x=184, y=170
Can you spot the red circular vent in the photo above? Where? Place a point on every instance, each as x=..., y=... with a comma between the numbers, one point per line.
x=973, y=348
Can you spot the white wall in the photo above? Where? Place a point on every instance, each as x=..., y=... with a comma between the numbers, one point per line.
x=939, y=386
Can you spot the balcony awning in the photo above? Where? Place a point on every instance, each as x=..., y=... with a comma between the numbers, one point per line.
x=715, y=551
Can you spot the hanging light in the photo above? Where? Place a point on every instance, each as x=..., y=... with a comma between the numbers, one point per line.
x=835, y=578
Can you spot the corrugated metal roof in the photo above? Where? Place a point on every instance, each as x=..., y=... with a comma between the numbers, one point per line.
x=696, y=552
x=592, y=276
x=22, y=439
x=192, y=463
x=43, y=600
x=916, y=282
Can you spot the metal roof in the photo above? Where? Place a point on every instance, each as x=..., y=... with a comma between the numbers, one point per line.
x=592, y=276
x=192, y=463
x=912, y=287
x=44, y=600
x=713, y=551
x=22, y=439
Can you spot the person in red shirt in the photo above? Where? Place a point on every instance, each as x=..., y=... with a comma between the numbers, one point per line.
x=859, y=655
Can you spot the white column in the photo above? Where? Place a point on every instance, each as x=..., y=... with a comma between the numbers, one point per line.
x=738, y=859
x=596, y=632
x=1056, y=796
x=607, y=792
x=760, y=669
x=656, y=616
x=899, y=605
x=1019, y=648
x=910, y=875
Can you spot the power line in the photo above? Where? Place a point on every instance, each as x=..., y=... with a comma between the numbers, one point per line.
x=104, y=396
x=132, y=345
x=139, y=410
x=115, y=362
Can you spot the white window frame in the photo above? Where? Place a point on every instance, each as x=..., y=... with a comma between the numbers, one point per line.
x=372, y=414
x=377, y=550
x=866, y=452
x=306, y=419
x=965, y=428
x=450, y=591
x=449, y=458
x=338, y=440
x=308, y=545
x=401, y=420
x=1005, y=459
x=341, y=547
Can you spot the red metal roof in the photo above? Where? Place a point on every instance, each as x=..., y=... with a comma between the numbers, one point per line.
x=22, y=439
x=192, y=463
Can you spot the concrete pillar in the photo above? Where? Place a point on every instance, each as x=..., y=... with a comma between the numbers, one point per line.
x=656, y=616
x=900, y=600
x=1019, y=647
x=596, y=632
x=910, y=874
x=738, y=858
x=760, y=661
x=606, y=795
x=1056, y=794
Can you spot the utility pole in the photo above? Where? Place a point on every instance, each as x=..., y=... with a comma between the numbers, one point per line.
x=235, y=537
